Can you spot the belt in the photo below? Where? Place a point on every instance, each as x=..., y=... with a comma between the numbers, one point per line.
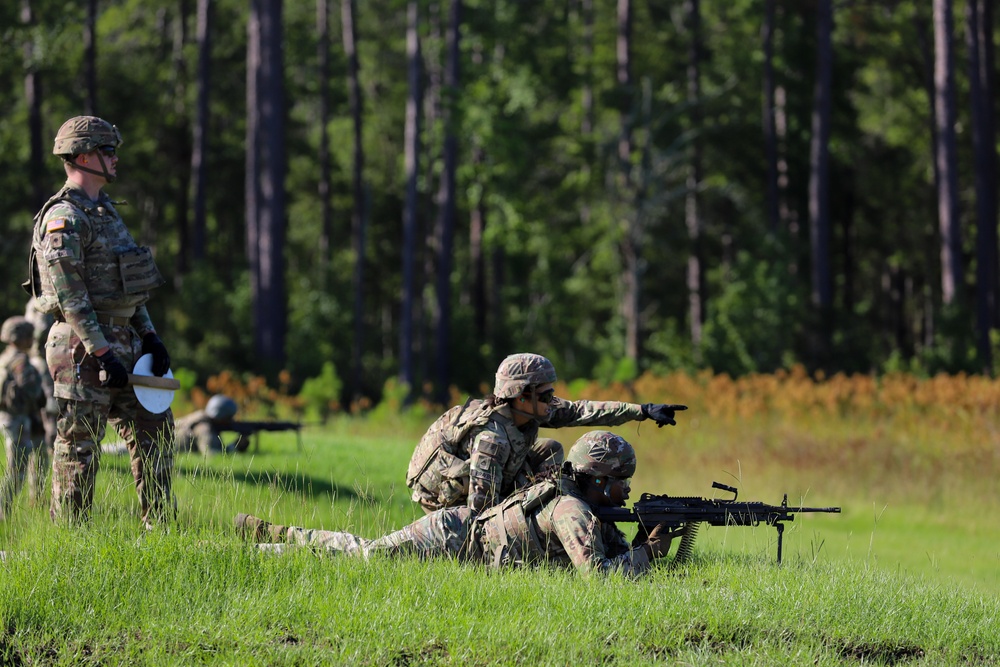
x=103, y=318
x=112, y=320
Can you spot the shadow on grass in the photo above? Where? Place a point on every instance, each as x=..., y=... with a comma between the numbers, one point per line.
x=298, y=483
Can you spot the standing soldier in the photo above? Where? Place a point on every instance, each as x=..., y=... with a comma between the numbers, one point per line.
x=43, y=433
x=92, y=276
x=21, y=398
x=479, y=453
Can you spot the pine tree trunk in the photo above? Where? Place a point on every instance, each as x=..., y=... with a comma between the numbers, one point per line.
x=442, y=356
x=414, y=102
x=819, y=183
x=33, y=101
x=770, y=134
x=630, y=237
x=358, y=215
x=200, y=130
x=324, y=185
x=979, y=36
x=266, y=221
x=90, y=59
x=181, y=143
x=946, y=151
x=692, y=216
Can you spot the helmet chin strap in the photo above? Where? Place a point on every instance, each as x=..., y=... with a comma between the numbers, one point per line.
x=530, y=415
x=533, y=416
x=110, y=178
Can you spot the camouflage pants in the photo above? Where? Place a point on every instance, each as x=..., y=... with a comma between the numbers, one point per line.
x=446, y=532
x=17, y=439
x=85, y=410
x=76, y=458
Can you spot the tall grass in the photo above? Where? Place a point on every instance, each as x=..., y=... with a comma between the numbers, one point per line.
x=907, y=574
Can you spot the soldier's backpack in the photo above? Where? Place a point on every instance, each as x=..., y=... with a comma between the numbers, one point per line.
x=439, y=456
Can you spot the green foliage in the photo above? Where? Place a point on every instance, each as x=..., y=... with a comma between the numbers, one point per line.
x=751, y=324
x=543, y=170
x=321, y=394
x=616, y=370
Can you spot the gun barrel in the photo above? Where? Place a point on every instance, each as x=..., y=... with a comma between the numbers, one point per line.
x=829, y=510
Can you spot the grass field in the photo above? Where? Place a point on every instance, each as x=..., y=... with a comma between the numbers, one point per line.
x=907, y=574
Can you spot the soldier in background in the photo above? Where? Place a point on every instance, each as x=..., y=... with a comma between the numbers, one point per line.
x=21, y=398
x=479, y=453
x=43, y=432
x=89, y=273
x=202, y=430
x=551, y=521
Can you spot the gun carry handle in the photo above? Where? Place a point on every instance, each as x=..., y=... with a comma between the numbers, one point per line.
x=726, y=487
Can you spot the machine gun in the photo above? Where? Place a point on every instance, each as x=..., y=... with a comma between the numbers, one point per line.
x=689, y=513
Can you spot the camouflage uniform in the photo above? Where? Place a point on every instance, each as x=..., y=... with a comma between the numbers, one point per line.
x=474, y=454
x=548, y=522
x=44, y=431
x=95, y=280
x=562, y=530
x=196, y=432
x=202, y=430
x=199, y=432
x=21, y=396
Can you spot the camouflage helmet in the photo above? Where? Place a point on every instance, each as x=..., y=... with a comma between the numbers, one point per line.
x=602, y=454
x=520, y=371
x=16, y=328
x=82, y=134
x=221, y=407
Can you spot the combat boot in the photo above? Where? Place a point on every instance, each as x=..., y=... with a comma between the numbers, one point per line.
x=255, y=529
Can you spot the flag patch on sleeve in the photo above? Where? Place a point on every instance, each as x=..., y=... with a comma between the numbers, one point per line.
x=55, y=224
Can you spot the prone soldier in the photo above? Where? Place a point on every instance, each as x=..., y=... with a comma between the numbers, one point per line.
x=552, y=521
x=202, y=429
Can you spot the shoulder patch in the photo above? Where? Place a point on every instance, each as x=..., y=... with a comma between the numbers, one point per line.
x=55, y=224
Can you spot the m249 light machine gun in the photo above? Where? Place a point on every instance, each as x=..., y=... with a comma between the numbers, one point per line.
x=689, y=513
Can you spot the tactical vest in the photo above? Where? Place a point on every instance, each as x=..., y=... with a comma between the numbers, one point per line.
x=118, y=273
x=14, y=399
x=507, y=535
x=439, y=454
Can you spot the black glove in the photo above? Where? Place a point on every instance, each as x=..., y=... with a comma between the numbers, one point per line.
x=661, y=414
x=151, y=344
x=116, y=373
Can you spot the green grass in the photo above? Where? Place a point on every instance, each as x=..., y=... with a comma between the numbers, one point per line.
x=898, y=578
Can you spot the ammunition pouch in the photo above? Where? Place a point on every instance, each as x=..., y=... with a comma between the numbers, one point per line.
x=138, y=271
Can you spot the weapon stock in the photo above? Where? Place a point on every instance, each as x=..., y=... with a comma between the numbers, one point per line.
x=677, y=511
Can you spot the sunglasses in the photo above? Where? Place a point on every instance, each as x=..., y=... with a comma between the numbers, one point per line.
x=546, y=396
x=107, y=151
